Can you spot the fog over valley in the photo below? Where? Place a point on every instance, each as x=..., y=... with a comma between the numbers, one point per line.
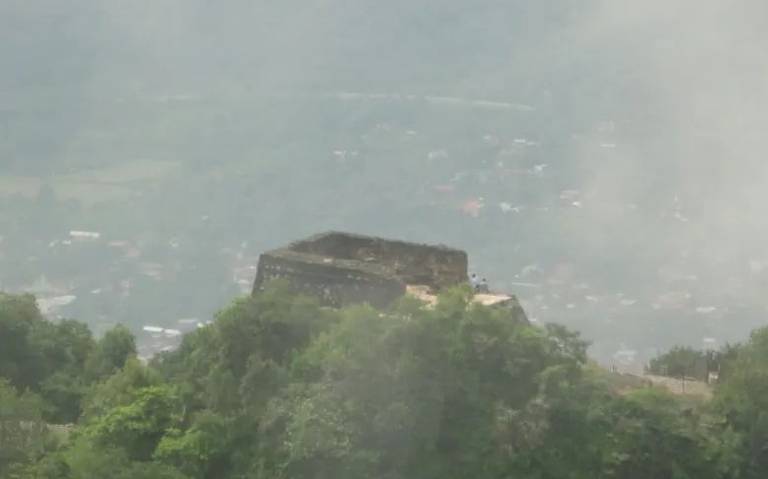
x=604, y=161
x=345, y=239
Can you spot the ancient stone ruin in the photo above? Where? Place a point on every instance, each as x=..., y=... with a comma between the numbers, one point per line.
x=343, y=268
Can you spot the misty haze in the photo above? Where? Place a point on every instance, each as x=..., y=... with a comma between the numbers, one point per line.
x=601, y=163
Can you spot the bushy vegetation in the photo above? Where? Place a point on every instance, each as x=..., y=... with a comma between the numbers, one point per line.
x=279, y=387
x=685, y=362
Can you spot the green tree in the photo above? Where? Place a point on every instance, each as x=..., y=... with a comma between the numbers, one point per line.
x=111, y=353
x=742, y=397
x=274, y=324
x=137, y=427
x=414, y=392
x=65, y=347
x=44, y=357
x=23, y=433
x=203, y=450
x=655, y=435
x=149, y=470
x=252, y=339
x=84, y=460
x=119, y=389
x=682, y=362
x=278, y=387
x=20, y=362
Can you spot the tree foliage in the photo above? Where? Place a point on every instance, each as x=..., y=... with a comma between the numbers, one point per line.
x=44, y=357
x=111, y=353
x=684, y=362
x=279, y=387
x=23, y=433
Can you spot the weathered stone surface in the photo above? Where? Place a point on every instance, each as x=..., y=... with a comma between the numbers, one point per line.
x=434, y=266
x=342, y=268
x=335, y=282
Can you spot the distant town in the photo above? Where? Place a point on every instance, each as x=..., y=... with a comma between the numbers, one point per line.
x=102, y=299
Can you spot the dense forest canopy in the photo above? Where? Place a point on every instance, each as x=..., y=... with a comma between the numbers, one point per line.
x=280, y=387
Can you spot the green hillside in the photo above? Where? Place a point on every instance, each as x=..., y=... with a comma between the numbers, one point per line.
x=279, y=387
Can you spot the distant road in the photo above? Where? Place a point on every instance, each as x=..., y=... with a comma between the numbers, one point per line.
x=624, y=382
x=688, y=387
x=482, y=104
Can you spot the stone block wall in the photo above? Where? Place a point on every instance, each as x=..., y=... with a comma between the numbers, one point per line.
x=335, y=282
x=435, y=266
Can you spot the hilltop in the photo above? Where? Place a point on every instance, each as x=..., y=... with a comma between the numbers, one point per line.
x=279, y=386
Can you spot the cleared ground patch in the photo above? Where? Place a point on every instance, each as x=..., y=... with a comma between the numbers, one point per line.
x=625, y=382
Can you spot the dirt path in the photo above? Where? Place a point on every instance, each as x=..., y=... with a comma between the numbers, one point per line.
x=677, y=386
